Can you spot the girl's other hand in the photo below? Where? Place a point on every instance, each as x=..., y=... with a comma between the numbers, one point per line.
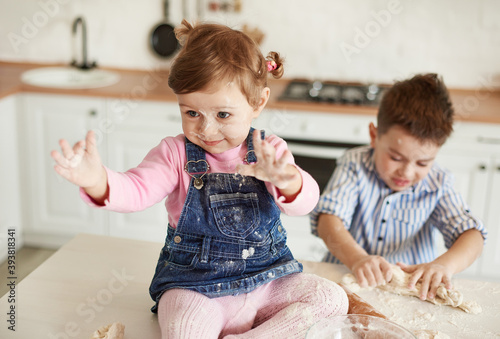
x=80, y=165
x=269, y=168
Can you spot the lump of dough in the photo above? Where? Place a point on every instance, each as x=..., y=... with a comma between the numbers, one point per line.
x=399, y=285
x=111, y=331
x=445, y=297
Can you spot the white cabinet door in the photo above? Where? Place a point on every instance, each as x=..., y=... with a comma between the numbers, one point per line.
x=471, y=180
x=303, y=244
x=134, y=133
x=53, y=209
x=490, y=262
x=10, y=201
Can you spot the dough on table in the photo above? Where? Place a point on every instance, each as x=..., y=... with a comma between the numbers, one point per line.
x=399, y=283
x=111, y=331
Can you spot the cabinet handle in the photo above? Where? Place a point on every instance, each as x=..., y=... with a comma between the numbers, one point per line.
x=92, y=112
x=482, y=167
x=498, y=168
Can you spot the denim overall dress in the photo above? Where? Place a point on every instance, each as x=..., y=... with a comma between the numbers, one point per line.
x=229, y=239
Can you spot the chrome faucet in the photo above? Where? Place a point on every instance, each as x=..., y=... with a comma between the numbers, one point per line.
x=85, y=64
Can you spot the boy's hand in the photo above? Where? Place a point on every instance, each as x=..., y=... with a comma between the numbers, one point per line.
x=81, y=165
x=372, y=270
x=268, y=168
x=431, y=275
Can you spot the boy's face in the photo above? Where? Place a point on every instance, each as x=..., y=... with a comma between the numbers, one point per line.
x=218, y=119
x=401, y=159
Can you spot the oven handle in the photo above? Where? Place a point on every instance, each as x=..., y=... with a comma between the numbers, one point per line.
x=316, y=151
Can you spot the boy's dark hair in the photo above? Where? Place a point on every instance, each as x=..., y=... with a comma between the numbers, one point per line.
x=421, y=105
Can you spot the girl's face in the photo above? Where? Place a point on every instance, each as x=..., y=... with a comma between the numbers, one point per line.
x=401, y=159
x=218, y=119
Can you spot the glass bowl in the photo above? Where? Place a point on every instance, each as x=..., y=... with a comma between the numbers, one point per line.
x=357, y=326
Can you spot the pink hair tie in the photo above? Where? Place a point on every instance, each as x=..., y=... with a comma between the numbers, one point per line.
x=271, y=66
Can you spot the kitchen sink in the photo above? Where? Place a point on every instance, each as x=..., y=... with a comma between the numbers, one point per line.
x=69, y=77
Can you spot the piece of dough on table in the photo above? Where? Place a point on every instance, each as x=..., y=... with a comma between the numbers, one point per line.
x=111, y=331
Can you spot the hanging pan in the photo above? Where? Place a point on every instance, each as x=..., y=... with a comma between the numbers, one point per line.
x=163, y=40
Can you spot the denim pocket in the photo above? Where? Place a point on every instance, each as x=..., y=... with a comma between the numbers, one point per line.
x=236, y=214
x=182, y=259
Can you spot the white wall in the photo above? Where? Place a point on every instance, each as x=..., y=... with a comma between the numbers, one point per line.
x=458, y=38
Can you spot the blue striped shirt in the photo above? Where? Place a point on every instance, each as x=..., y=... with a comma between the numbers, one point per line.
x=396, y=225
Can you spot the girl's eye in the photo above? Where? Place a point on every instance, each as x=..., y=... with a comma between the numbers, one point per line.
x=223, y=115
x=422, y=164
x=395, y=158
x=192, y=113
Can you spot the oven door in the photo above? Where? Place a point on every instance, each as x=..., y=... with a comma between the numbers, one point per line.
x=318, y=158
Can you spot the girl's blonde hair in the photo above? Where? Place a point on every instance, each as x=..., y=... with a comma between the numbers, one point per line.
x=213, y=53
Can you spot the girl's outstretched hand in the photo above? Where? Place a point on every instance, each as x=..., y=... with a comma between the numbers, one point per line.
x=269, y=168
x=81, y=165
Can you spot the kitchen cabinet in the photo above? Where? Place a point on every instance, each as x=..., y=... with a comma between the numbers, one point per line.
x=490, y=260
x=472, y=154
x=52, y=209
x=303, y=244
x=471, y=179
x=135, y=132
x=326, y=127
x=10, y=202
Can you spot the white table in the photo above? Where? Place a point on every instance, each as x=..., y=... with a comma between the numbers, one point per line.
x=97, y=280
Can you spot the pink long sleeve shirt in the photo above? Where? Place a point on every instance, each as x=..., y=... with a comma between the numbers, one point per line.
x=161, y=174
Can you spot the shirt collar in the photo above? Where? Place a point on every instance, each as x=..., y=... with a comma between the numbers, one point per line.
x=368, y=160
x=430, y=182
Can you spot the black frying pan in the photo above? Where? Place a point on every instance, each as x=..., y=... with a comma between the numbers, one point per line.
x=163, y=40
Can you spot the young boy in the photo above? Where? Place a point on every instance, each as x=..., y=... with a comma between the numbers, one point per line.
x=384, y=200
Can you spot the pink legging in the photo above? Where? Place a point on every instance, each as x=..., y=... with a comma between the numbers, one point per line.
x=285, y=308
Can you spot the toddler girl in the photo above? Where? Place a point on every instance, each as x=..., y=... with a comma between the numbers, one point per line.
x=225, y=269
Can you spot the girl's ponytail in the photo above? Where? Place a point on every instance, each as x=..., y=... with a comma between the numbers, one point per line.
x=182, y=31
x=274, y=63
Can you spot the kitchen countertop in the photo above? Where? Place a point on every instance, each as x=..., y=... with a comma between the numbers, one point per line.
x=97, y=280
x=470, y=105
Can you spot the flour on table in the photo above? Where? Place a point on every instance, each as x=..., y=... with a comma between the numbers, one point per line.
x=399, y=285
x=430, y=334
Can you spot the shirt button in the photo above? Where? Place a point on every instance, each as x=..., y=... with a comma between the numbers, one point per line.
x=177, y=239
x=383, y=220
x=380, y=238
x=280, y=229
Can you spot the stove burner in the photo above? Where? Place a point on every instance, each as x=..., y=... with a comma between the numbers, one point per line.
x=335, y=93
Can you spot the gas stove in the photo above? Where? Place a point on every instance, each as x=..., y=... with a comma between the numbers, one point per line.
x=333, y=92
